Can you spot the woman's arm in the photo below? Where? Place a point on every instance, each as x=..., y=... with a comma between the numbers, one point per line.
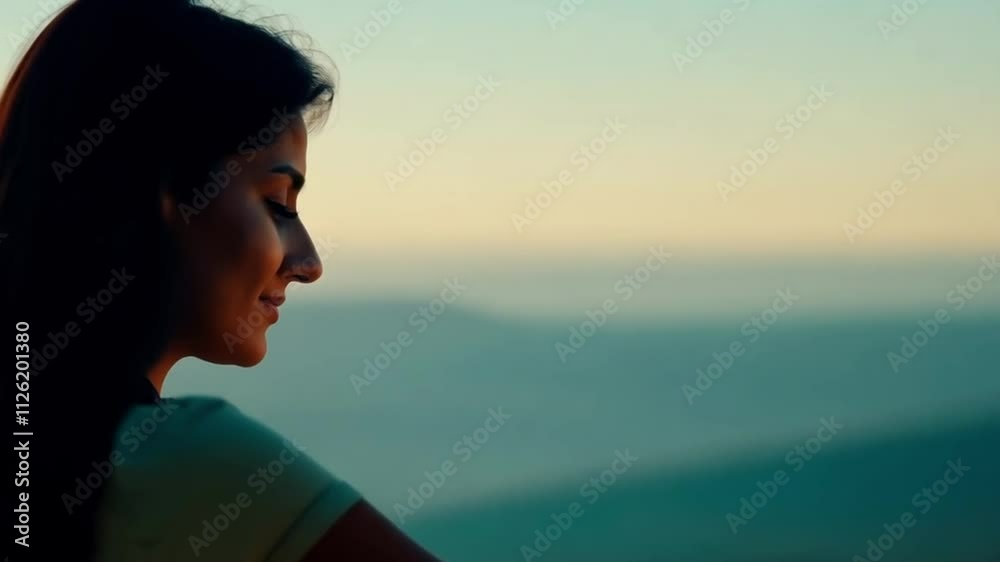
x=364, y=534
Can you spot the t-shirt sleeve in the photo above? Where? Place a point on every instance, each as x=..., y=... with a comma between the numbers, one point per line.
x=210, y=483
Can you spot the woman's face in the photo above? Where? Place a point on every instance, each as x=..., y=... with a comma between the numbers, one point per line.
x=241, y=246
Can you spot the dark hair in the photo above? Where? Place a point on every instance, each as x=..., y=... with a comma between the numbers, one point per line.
x=114, y=101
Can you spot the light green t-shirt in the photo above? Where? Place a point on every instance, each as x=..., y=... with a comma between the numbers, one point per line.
x=196, y=479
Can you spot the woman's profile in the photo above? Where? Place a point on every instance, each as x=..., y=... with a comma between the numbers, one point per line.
x=152, y=159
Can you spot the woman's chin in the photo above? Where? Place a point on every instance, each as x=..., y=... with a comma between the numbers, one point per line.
x=245, y=353
x=253, y=353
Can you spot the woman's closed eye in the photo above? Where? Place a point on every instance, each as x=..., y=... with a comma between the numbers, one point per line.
x=282, y=210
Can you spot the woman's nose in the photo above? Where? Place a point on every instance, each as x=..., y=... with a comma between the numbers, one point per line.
x=303, y=263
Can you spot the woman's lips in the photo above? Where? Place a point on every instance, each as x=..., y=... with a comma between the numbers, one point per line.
x=270, y=310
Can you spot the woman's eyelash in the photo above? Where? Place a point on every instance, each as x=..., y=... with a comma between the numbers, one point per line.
x=282, y=210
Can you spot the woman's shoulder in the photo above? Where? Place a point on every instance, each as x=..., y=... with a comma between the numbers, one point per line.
x=210, y=435
x=192, y=418
x=214, y=481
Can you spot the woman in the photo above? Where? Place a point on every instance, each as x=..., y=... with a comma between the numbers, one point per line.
x=152, y=156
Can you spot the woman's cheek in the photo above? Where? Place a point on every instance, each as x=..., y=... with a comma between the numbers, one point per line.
x=268, y=255
x=262, y=248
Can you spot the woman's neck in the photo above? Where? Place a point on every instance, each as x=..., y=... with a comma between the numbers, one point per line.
x=158, y=372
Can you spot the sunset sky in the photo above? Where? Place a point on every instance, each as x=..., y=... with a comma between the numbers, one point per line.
x=554, y=90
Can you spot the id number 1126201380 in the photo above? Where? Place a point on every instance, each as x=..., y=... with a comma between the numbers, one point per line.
x=22, y=349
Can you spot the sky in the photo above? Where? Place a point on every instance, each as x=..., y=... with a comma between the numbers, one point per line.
x=695, y=88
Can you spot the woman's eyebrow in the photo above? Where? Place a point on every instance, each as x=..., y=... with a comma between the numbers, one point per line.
x=298, y=180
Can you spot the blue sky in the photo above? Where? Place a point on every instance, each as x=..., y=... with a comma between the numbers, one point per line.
x=686, y=128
